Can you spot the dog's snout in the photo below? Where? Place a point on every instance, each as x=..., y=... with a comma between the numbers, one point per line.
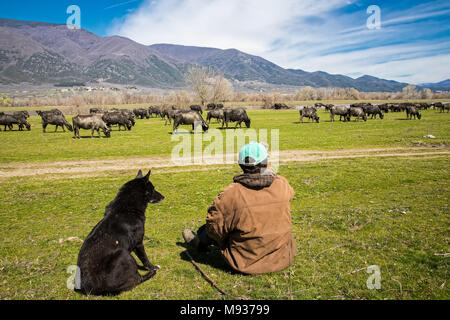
x=157, y=197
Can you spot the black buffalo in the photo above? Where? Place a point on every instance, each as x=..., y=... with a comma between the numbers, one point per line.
x=278, y=106
x=341, y=111
x=154, y=110
x=54, y=117
x=357, y=112
x=9, y=120
x=412, y=111
x=237, y=115
x=95, y=110
x=327, y=107
x=384, y=107
x=141, y=113
x=373, y=111
x=129, y=114
x=196, y=108
x=119, y=118
x=93, y=122
x=189, y=118
x=212, y=106
x=310, y=113
x=216, y=114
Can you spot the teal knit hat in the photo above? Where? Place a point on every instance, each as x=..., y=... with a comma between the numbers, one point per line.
x=254, y=150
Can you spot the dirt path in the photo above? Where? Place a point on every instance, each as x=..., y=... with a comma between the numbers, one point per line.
x=88, y=168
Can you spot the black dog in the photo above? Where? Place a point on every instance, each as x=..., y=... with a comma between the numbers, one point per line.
x=106, y=266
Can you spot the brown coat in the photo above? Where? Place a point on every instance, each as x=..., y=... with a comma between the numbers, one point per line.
x=251, y=222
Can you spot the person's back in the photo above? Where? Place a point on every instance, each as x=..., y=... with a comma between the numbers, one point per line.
x=250, y=220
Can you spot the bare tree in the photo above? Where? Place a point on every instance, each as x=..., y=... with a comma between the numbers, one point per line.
x=353, y=93
x=426, y=93
x=221, y=89
x=208, y=85
x=409, y=92
x=198, y=78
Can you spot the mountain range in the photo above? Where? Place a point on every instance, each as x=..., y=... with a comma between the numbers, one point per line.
x=40, y=52
x=442, y=85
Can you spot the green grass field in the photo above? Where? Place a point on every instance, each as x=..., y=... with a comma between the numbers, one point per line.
x=342, y=221
x=347, y=214
x=151, y=138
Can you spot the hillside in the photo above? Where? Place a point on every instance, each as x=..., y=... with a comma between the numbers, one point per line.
x=245, y=67
x=39, y=52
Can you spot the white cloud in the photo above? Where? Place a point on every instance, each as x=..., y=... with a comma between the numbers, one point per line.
x=300, y=34
x=384, y=62
x=250, y=26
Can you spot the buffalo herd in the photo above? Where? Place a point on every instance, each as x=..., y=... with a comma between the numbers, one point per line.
x=125, y=119
x=362, y=111
x=18, y=118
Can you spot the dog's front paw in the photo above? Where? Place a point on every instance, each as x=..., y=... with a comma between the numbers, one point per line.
x=152, y=267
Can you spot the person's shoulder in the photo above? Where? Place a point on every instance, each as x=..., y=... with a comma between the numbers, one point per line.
x=284, y=184
x=229, y=190
x=281, y=178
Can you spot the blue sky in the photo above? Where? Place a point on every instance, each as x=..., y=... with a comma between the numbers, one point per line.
x=96, y=15
x=412, y=44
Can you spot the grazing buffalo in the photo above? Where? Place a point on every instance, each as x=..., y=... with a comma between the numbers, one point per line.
x=310, y=113
x=396, y=107
x=9, y=120
x=326, y=106
x=357, y=112
x=93, y=122
x=189, y=118
x=95, y=110
x=443, y=106
x=216, y=114
x=54, y=117
x=237, y=115
x=141, y=113
x=318, y=105
x=384, y=107
x=129, y=114
x=278, y=106
x=437, y=105
x=341, y=111
x=154, y=110
x=119, y=118
x=169, y=115
x=423, y=105
x=53, y=111
x=213, y=106
x=362, y=105
x=412, y=111
x=196, y=108
x=374, y=111
x=21, y=114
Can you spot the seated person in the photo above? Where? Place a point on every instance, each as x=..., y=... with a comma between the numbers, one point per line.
x=250, y=221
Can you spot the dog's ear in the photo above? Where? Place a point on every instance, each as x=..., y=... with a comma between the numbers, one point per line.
x=139, y=175
x=147, y=177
